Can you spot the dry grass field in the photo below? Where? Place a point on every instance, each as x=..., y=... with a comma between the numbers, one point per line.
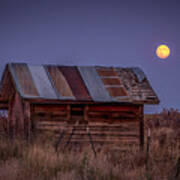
x=39, y=161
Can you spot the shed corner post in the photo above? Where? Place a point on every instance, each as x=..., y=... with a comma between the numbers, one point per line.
x=10, y=121
x=27, y=120
x=141, y=126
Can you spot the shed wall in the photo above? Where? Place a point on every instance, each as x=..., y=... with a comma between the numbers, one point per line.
x=108, y=124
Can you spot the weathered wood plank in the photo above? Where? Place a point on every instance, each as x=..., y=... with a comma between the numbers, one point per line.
x=105, y=134
x=112, y=120
x=105, y=141
x=86, y=109
x=50, y=123
x=10, y=125
x=50, y=117
x=93, y=131
x=104, y=127
x=111, y=115
x=141, y=127
x=68, y=116
x=50, y=108
x=113, y=108
x=27, y=119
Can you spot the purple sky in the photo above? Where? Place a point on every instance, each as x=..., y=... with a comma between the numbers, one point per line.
x=86, y=32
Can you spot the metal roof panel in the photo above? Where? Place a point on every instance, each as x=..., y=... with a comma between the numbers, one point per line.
x=59, y=82
x=23, y=79
x=100, y=84
x=94, y=84
x=42, y=82
x=75, y=82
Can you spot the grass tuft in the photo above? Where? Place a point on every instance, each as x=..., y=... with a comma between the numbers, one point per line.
x=38, y=161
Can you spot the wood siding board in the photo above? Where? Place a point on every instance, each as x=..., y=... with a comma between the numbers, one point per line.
x=111, y=115
x=112, y=108
x=8, y=86
x=68, y=117
x=131, y=126
x=141, y=124
x=107, y=133
x=27, y=120
x=59, y=82
x=111, y=121
x=23, y=79
x=18, y=114
x=42, y=82
x=86, y=108
x=5, y=81
x=75, y=82
x=49, y=108
x=94, y=84
x=10, y=127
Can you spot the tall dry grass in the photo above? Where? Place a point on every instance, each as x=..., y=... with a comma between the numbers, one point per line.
x=38, y=160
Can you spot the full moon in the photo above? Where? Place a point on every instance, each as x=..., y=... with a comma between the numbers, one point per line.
x=163, y=51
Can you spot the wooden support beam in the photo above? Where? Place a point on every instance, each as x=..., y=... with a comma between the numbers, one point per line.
x=113, y=108
x=33, y=121
x=68, y=112
x=86, y=109
x=27, y=120
x=10, y=128
x=141, y=126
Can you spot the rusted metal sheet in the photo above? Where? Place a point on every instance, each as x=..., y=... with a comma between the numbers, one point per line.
x=94, y=84
x=23, y=80
x=111, y=81
x=42, y=82
x=100, y=84
x=116, y=91
x=139, y=74
x=60, y=84
x=137, y=86
x=75, y=82
x=106, y=71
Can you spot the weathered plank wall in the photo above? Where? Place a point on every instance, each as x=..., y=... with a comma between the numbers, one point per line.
x=107, y=124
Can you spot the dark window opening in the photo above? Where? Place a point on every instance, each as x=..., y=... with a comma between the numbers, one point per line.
x=77, y=110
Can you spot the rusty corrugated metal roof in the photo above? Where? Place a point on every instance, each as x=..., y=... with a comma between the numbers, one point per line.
x=42, y=82
x=75, y=82
x=59, y=82
x=23, y=79
x=90, y=83
x=94, y=84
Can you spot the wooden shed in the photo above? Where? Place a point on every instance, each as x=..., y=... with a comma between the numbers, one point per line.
x=108, y=101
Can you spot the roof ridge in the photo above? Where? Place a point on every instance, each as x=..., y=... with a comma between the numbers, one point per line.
x=64, y=65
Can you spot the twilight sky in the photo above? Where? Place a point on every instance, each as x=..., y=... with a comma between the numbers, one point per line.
x=96, y=32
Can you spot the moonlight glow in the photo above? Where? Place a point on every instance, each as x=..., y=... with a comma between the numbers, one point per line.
x=163, y=51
